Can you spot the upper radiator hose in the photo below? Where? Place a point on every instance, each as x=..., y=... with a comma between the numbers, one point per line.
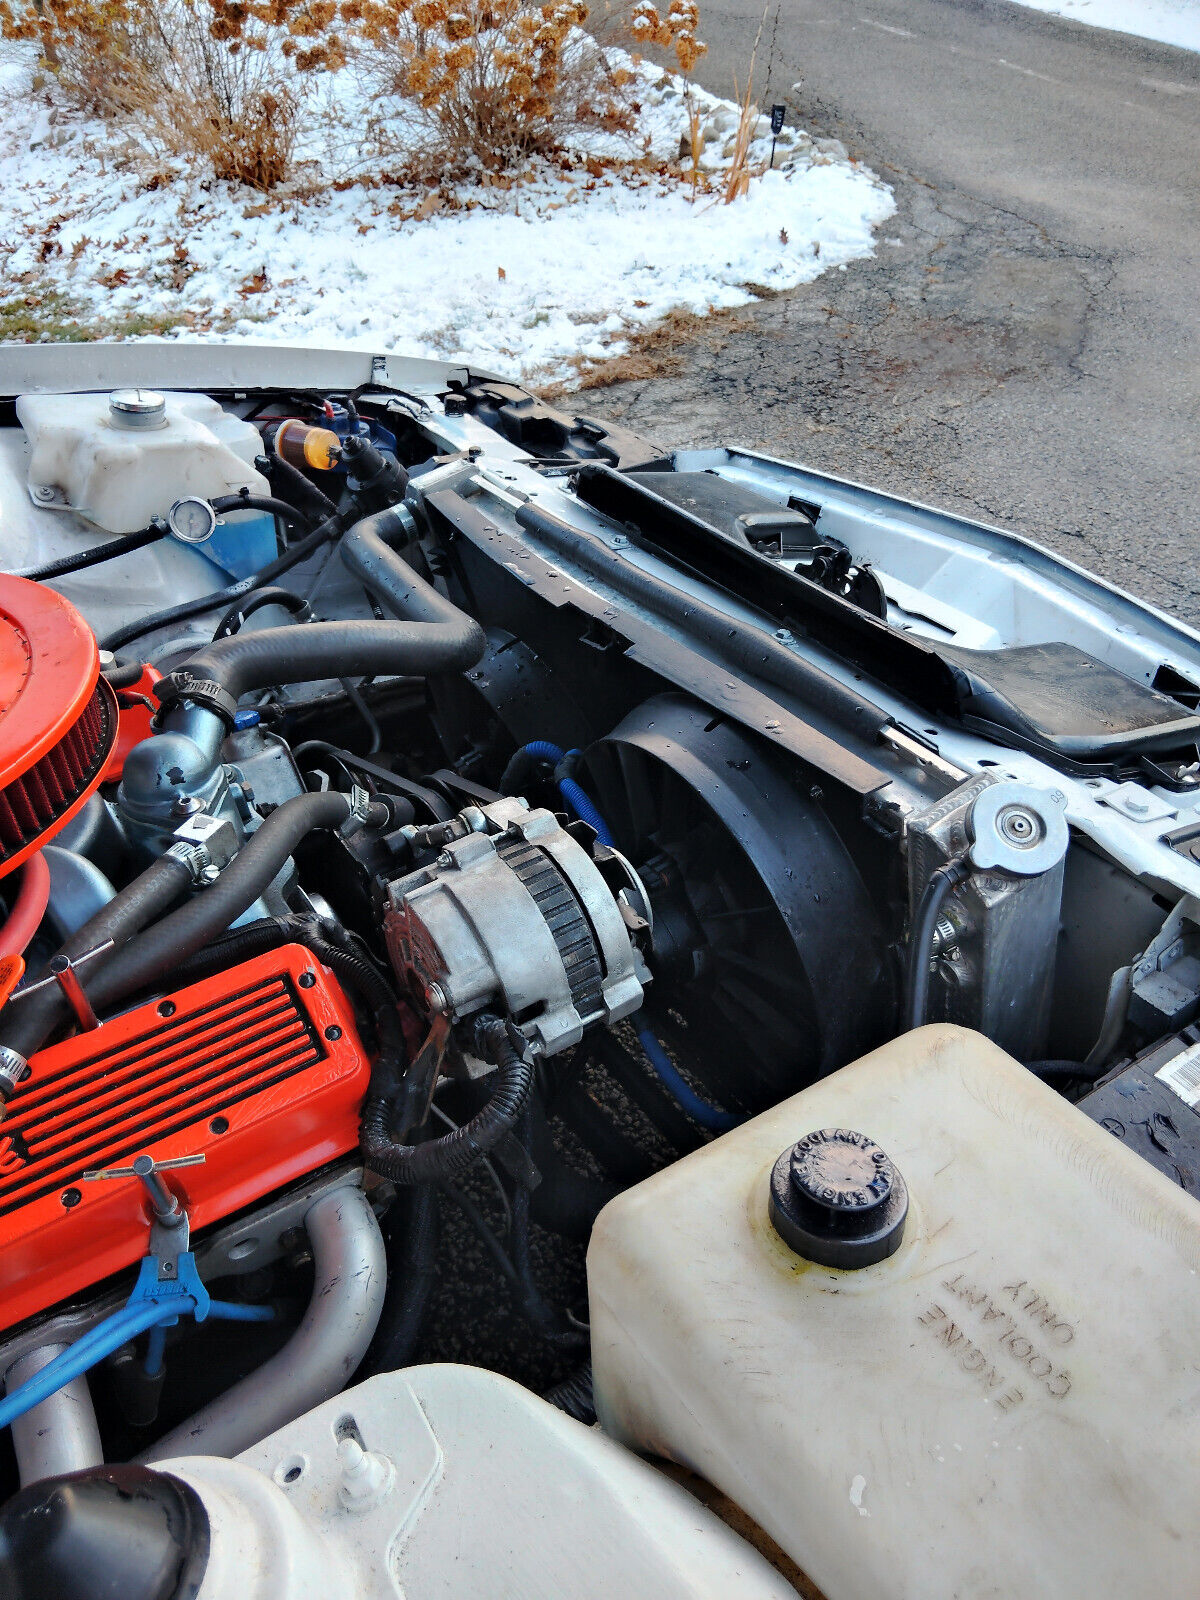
x=431, y=636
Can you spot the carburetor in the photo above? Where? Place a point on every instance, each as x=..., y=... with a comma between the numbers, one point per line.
x=515, y=914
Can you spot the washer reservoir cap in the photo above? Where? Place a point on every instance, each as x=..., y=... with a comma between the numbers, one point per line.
x=837, y=1199
x=137, y=408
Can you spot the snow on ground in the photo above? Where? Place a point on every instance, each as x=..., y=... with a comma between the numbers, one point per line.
x=1168, y=21
x=528, y=281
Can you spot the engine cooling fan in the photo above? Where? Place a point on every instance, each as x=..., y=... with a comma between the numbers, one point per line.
x=770, y=965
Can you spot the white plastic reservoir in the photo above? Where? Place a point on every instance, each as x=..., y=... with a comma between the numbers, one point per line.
x=1009, y=1405
x=452, y=1483
x=120, y=460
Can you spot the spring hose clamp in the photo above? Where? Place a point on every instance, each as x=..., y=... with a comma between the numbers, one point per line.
x=359, y=800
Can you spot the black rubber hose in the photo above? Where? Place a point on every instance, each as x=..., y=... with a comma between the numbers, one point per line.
x=233, y=619
x=522, y=766
x=98, y=553
x=294, y=481
x=158, y=951
x=27, y=1020
x=573, y=1394
x=268, y=933
x=123, y=674
x=1063, y=1071
x=374, y=731
x=140, y=961
x=292, y=557
x=412, y=1277
x=226, y=503
x=441, y=1160
x=941, y=885
x=534, y=1307
x=434, y=636
x=383, y=778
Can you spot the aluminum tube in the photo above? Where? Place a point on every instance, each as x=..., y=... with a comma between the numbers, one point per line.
x=350, y=1277
x=60, y=1434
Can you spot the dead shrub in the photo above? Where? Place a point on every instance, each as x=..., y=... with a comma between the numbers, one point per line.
x=215, y=80
x=494, y=81
x=500, y=80
x=676, y=34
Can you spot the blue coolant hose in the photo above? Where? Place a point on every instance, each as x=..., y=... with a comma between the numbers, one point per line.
x=573, y=796
x=708, y=1116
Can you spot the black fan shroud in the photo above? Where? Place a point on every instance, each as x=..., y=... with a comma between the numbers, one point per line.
x=786, y=974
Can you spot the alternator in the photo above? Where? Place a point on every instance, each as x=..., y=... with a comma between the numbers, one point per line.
x=516, y=915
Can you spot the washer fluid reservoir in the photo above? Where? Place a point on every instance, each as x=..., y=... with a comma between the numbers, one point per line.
x=119, y=460
x=929, y=1325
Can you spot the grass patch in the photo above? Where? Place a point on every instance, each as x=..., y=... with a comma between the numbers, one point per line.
x=53, y=317
x=651, y=352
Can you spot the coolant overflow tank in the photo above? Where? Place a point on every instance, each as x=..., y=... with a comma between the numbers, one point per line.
x=1007, y=1404
x=119, y=460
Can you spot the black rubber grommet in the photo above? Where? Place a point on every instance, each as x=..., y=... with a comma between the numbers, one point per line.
x=838, y=1200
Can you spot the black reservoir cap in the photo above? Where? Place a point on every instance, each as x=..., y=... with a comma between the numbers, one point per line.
x=837, y=1199
x=122, y=1531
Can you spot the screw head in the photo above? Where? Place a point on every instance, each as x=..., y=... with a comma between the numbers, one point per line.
x=435, y=996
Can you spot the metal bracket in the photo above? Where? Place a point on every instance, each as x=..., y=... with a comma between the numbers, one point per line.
x=170, y=1232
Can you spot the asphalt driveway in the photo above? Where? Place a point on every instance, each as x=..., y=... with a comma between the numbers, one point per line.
x=1025, y=345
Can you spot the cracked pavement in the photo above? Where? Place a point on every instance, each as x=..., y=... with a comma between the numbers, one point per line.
x=1022, y=348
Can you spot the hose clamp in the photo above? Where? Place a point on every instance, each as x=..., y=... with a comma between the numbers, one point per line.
x=196, y=858
x=359, y=801
x=206, y=845
x=14, y=1069
x=207, y=693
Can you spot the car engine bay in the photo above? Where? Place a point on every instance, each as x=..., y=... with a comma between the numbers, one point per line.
x=429, y=821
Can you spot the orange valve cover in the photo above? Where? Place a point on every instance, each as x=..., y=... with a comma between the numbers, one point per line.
x=260, y=1069
x=58, y=716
